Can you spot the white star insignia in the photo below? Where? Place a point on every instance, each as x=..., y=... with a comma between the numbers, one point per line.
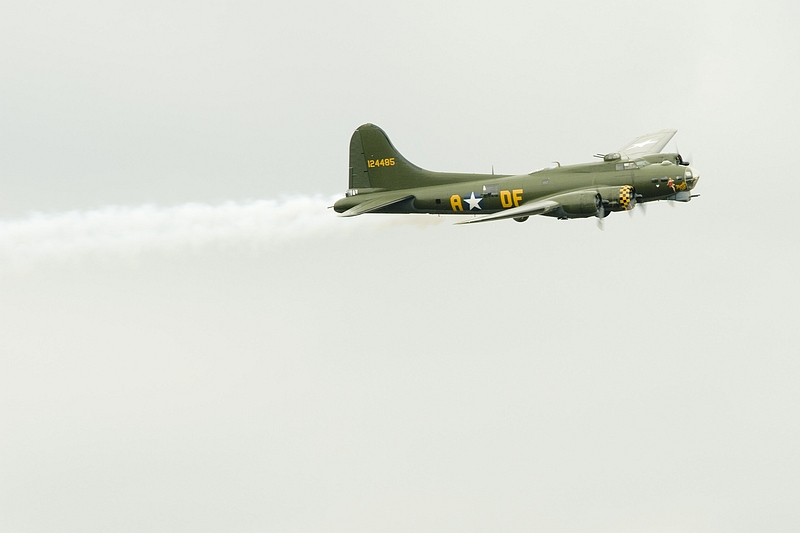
x=474, y=203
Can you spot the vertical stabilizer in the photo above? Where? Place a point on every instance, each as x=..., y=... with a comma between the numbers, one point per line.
x=359, y=176
x=376, y=163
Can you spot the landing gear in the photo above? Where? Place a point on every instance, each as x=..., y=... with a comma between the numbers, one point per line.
x=520, y=219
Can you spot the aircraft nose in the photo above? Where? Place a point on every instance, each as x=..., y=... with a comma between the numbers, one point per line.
x=691, y=176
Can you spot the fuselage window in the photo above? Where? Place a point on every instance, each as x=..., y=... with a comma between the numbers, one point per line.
x=491, y=190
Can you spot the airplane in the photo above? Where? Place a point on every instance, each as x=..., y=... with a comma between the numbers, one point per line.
x=383, y=181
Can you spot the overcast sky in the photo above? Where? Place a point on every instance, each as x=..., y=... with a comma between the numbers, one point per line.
x=191, y=341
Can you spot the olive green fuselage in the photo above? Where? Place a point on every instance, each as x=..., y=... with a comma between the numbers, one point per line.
x=653, y=177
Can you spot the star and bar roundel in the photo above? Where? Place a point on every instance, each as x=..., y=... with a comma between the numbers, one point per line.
x=457, y=202
x=474, y=203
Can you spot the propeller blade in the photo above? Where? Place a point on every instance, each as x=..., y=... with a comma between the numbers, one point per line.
x=601, y=214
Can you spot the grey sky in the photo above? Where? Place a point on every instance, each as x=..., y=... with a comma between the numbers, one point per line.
x=200, y=365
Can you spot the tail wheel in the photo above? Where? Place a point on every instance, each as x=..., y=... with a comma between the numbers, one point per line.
x=627, y=197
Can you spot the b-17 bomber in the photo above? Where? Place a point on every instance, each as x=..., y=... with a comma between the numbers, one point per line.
x=383, y=181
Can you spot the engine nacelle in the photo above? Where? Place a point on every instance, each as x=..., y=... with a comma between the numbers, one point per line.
x=581, y=203
x=621, y=198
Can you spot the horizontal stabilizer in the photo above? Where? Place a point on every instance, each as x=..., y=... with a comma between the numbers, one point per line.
x=525, y=210
x=376, y=204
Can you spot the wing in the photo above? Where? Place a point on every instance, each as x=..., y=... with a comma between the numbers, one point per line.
x=652, y=143
x=538, y=207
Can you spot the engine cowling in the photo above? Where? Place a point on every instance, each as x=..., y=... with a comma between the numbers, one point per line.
x=581, y=203
x=622, y=198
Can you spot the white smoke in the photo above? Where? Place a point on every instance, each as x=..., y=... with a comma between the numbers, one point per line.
x=132, y=229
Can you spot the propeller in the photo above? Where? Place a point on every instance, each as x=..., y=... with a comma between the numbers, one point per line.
x=640, y=204
x=601, y=212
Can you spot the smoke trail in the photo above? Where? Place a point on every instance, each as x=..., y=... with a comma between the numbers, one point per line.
x=125, y=230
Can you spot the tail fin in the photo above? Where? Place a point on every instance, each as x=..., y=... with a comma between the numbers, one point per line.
x=375, y=163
